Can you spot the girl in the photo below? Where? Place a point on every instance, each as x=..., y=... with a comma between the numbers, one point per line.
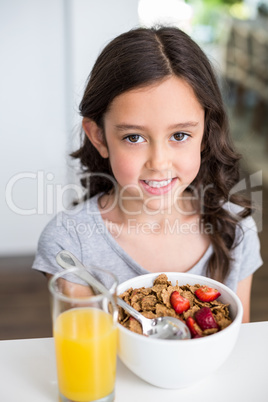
x=158, y=168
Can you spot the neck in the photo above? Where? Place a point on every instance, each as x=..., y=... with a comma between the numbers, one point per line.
x=122, y=211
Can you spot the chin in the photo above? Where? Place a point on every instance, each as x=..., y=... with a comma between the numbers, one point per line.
x=162, y=205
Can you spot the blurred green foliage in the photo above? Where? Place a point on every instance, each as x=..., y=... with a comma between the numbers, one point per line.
x=210, y=12
x=216, y=2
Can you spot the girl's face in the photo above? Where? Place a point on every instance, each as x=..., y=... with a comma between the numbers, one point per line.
x=154, y=136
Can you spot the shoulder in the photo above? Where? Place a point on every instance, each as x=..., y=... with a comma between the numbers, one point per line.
x=232, y=208
x=245, y=253
x=86, y=208
x=64, y=231
x=244, y=224
x=246, y=235
x=247, y=243
x=66, y=223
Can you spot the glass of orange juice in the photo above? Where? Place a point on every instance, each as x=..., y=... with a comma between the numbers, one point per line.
x=85, y=335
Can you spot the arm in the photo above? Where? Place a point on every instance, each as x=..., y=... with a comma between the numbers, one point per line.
x=74, y=289
x=243, y=292
x=249, y=259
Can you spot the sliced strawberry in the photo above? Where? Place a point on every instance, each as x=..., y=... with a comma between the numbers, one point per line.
x=179, y=303
x=195, y=330
x=206, y=294
x=205, y=319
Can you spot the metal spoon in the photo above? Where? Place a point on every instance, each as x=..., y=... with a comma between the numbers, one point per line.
x=160, y=327
x=67, y=260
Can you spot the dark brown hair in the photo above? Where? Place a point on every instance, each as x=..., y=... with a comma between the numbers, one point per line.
x=143, y=56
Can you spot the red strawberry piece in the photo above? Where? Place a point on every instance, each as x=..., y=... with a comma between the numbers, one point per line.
x=179, y=303
x=195, y=330
x=205, y=319
x=206, y=294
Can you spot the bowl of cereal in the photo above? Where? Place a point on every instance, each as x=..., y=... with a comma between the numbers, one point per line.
x=211, y=310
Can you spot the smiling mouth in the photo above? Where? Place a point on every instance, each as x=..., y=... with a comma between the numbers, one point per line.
x=158, y=183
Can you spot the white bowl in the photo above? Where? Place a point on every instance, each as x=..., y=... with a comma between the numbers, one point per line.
x=178, y=363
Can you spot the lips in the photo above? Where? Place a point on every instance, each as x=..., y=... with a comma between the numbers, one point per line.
x=158, y=183
x=158, y=187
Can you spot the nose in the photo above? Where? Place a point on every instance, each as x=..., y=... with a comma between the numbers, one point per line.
x=158, y=158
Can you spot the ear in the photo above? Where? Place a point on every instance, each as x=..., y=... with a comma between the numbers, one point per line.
x=95, y=136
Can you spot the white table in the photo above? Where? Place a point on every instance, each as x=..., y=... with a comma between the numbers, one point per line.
x=28, y=374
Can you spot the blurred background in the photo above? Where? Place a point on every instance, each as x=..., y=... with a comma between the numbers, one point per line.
x=48, y=48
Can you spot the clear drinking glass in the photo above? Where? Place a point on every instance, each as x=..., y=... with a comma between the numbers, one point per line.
x=85, y=335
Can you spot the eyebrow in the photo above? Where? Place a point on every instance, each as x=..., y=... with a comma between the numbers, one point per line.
x=178, y=126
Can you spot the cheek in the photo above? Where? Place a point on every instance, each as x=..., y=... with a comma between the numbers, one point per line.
x=124, y=168
x=190, y=164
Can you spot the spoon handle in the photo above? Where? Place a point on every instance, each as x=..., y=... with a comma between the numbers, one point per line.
x=145, y=322
x=67, y=260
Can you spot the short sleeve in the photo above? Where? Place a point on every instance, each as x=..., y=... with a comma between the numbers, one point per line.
x=250, y=256
x=55, y=237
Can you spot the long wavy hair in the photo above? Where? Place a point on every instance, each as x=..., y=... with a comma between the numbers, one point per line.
x=144, y=56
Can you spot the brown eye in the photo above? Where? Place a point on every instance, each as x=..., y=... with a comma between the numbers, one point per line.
x=180, y=137
x=134, y=138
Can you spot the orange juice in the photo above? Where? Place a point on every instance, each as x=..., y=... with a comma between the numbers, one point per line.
x=85, y=342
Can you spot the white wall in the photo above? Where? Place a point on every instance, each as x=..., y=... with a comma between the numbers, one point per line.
x=47, y=50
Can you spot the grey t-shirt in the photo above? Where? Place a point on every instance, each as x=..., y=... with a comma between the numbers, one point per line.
x=83, y=232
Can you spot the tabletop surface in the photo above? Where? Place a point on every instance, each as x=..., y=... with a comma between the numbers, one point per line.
x=28, y=374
